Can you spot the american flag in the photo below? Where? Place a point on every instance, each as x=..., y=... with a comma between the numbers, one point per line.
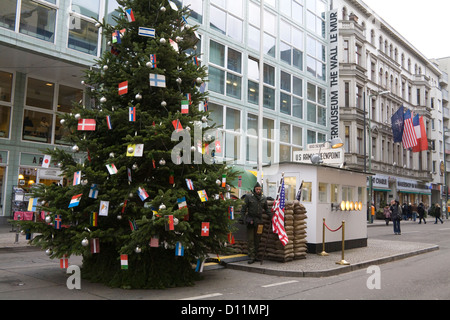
x=278, y=214
x=409, y=133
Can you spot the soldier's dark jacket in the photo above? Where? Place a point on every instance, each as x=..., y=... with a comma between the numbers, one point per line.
x=253, y=208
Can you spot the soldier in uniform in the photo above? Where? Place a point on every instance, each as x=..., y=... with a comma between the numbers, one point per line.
x=255, y=204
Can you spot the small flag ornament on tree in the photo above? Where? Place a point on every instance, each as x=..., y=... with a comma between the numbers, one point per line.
x=124, y=261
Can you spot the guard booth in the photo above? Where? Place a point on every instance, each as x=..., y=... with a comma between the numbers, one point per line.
x=331, y=193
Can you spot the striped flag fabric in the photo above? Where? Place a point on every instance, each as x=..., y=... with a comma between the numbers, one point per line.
x=133, y=225
x=231, y=213
x=108, y=122
x=142, y=194
x=94, y=219
x=95, y=245
x=147, y=32
x=177, y=125
x=130, y=15
x=189, y=184
x=182, y=203
x=77, y=178
x=185, y=106
x=169, y=225
x=179, y=250
x=123, y=88
x=111, y=168
x=278, y=215
x=32, y=204
x=421, y=134
x=64, y=262
x=153, y=61
x=132, y=114
x=409, y=139
x=75, y=201
x=199, y=266
x=124, y=261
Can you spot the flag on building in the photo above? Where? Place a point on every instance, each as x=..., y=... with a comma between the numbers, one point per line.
x=75, y=201
x=46, y=161
x=205, y=229
x=421, y=134
x=179, y=250
x=142, y=194
x=77, y=178
x=123, y=88
x=397, y=121
x=58, y=222
x=95, y=245
x=130, y=15
x=409, y=134
x=189, y=184
x=87, y=125
x=111, y=169
x=124, y=261
x=157, y=80
x=278, y=215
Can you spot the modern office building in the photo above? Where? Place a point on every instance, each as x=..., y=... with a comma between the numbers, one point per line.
x=46, y=45
x=380, y=71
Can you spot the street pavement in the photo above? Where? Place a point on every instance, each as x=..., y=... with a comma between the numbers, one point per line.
x=377, y=252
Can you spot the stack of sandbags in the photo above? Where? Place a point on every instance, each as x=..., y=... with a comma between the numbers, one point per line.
x=271, y=248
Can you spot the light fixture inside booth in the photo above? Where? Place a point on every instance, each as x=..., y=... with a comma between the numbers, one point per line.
x=347, y=206
x=335, y=143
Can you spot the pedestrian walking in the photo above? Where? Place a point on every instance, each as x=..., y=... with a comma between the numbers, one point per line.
x=421, y=211
x=414, y=211
x=255, y=204
x=387, y=214
x=404, y=209
x=437, y=213
x=396, y=216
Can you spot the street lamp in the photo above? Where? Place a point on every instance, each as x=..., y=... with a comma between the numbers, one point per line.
x=335, y=143
x=377, y=94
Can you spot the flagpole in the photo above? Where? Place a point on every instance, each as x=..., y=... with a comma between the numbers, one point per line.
x=261, y=92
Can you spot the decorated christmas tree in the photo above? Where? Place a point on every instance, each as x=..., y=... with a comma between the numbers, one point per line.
x=146, y=200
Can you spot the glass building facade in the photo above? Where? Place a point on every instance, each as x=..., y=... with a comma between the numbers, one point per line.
x=49, y=43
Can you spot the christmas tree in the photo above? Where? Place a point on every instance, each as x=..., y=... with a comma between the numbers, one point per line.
x=145, y=199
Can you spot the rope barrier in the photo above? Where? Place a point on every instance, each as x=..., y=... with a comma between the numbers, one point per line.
x=324, y=253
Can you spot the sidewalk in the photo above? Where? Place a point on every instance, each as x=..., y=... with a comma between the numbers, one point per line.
x=377, y=252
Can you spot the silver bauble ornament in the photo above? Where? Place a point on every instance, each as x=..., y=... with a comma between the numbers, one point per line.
x=85, y=242
x=48, y=219
x=162, y=162
x=162, y=206
x=138, y=96
x=62, y=121
x=75, y=148
x=78, y=116
x=138, y=249
x=48, y=252
x=162, y=41
x=102, y=99
x=130, y=150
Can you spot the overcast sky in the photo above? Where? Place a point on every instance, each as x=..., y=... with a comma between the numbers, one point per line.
x=423, y=23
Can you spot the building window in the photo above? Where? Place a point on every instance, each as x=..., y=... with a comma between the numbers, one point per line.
x=83, y=35
x=316, y=105
x=253, y=37
x=316, y=58
x=253, y=83
x=315, y=17
x=226, y=17
x=6, y=83
x=323, y=192
x=225, y=70
x=8, y=14
x=291, y=102
x=41, y=120
x=291, y=45
x=37, y=20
